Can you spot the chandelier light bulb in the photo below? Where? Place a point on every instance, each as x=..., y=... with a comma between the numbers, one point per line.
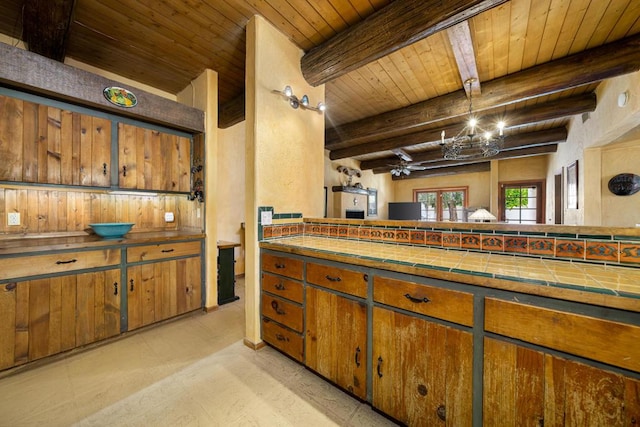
x=321, y=106
x=288, y=91
x=501, y=125
x=305, y=100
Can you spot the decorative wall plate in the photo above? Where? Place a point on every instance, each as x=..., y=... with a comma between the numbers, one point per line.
x=120, y=97
x=624, y=184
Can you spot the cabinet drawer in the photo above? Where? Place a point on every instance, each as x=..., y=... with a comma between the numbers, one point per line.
x=282, y=265
x=160, y=251
x=446, y=304
x=56, y=263
x=339, y=279
x=285, y=288
x=606, y=341
x=282, y=311
x=283, y=339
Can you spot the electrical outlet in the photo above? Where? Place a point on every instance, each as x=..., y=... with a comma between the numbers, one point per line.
x=13, y=218
x=168, y=217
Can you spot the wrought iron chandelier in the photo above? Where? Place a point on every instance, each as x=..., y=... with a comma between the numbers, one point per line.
x=473, y=142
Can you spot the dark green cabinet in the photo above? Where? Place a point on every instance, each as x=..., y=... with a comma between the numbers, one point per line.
x=226, y=273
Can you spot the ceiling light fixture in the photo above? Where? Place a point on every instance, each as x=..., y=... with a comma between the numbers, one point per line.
x=473, y=142
x=303, y=102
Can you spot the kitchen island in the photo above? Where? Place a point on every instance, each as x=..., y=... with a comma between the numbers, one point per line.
x=431, y=334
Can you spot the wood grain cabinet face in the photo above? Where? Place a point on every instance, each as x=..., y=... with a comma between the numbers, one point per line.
x=281, y=304
x=445, y=304
x=282, y=265
x=160, y=290
x=44, y=144
x=152, y=160
x=42, y=317
x=422, y=371
x=336, y=339
x=525, y=387
x=339, y=279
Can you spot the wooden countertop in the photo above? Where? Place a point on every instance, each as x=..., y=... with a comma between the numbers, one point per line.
x=19, y=245
x=610, y=286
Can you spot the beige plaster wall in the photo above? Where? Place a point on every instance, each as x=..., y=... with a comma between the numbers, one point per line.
x=230, y=194
x=622, y=157
x=589, y=137
x=380, y=182
x=284, y=147
x=477, y=183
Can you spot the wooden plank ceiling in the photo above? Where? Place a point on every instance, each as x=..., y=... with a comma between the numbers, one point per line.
x=394, y=70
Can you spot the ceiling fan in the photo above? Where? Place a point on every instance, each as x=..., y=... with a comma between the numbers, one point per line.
x=404, y=168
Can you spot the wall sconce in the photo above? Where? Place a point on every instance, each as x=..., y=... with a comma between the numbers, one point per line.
x=303, y=102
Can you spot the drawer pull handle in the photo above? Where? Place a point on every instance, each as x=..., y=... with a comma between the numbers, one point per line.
x=104, y=169
x=333, y=279
x=274, y=305
x=71, y=261
x=124, y=170
x=131, y=282
x=166, y=251
x=278, y=265
x=416, y=300
x=358, y=356
x=280, y=287
x=379, y=367
x=281, y=337
x=115, y=288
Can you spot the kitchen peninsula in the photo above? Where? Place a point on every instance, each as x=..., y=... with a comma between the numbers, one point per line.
x=475, y=324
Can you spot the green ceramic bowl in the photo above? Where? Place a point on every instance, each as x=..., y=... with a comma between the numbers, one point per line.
x=111, y=230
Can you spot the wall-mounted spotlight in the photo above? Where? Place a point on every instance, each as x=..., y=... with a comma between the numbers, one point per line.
x=303, y=102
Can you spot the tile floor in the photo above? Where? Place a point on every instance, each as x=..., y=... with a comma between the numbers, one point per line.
x=191, y=372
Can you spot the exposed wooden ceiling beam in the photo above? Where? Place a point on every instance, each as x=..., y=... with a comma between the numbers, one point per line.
x=551, y=110
x=451, y=170
x=462, y=45
x=399, y=24
x=511, y=144
x=590, y=66
x=46, y=26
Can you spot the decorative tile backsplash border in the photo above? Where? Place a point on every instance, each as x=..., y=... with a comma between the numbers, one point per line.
x=620, y=250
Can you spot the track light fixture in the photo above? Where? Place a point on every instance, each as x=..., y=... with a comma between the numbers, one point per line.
x=302, y=103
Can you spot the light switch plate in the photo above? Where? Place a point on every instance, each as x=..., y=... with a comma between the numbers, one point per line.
x=13, y=218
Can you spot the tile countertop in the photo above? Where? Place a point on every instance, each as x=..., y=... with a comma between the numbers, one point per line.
x=612, y=286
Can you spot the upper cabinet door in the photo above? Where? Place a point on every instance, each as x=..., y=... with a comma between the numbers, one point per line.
x=49, y=145
x=152, y=160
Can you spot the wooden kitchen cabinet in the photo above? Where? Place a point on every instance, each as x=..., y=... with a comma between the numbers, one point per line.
x=336, y=339
x=149, y=159
x=281, y=304
x=48, y=145
x=422, y=370
x=42, y=317
x=526, y=387
x=160, y=290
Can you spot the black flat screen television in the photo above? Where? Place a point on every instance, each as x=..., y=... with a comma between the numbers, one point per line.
x=405, y=210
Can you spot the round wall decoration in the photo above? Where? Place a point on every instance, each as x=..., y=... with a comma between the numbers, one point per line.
x=120, y=97
x=624, y=184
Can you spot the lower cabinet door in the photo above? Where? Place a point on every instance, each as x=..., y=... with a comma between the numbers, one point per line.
x=525, y=387
x=422, y=371
x=159, y=290
x=336, y=339
x=42, y=317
